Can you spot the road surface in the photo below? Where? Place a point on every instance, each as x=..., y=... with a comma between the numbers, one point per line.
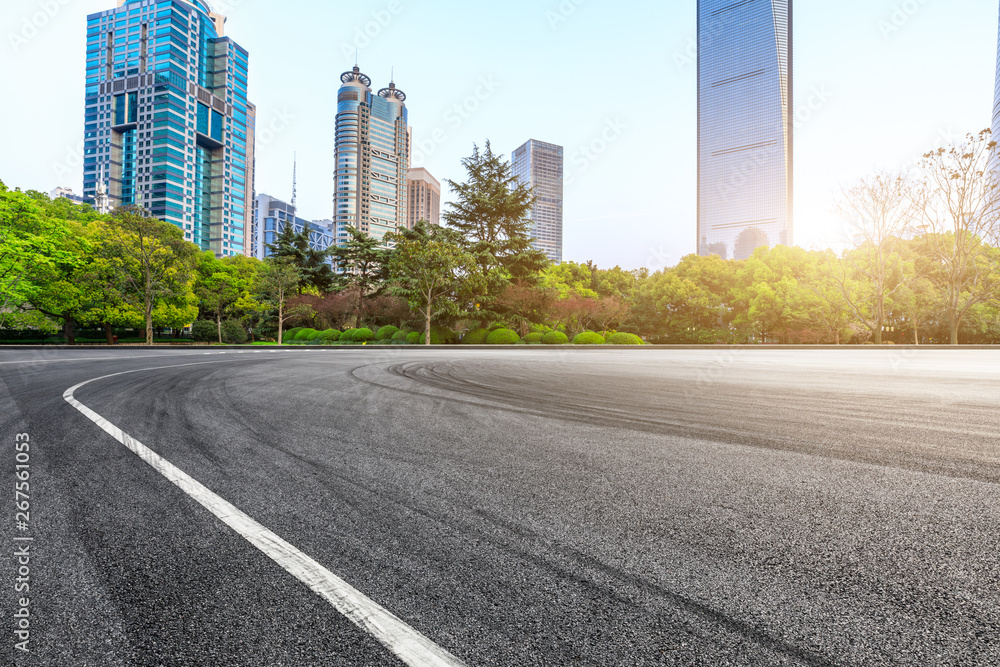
x=366, y=506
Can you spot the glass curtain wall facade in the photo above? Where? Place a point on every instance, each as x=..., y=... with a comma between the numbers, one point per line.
x=272, y=215
x=745, y=126
x=539, y=165
x=995, y=125
x=372, y=158
x=167, y=123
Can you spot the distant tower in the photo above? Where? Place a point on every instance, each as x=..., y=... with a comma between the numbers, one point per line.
x=744, y=126
x=372, y=158
x=539, y=166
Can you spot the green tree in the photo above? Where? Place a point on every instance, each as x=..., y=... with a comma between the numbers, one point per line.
x=152, y=258
x=435, y=277
x=278, y=281
x=491, y=211
x=314, y=270
x=362, y=264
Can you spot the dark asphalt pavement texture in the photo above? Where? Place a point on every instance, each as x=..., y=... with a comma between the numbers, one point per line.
x=517, y=507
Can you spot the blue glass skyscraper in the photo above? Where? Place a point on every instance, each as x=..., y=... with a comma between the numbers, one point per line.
x=539, y=166
x=745, y=126
x=167, y=123
x=372, y=158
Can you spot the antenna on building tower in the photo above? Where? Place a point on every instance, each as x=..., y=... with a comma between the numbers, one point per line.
x=295, y=177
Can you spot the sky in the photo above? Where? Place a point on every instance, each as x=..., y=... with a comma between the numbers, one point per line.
x=877, y=83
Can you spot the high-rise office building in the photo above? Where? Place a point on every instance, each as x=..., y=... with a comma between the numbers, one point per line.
x=372, y=158
x=745, y=126
x=423, y=198
x=168, y=126
x=271, y=216
x=539, y=165
x=995, y=125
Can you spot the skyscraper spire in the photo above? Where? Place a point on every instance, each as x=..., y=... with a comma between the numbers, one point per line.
x=295, y=169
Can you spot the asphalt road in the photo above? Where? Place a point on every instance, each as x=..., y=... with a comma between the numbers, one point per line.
x=514, y=507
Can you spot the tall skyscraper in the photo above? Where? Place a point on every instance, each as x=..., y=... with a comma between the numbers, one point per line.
x=745, y=126
x=372, y=158
x=423, y=198
x=539, y=165
x=167, y=123
x=995, y=125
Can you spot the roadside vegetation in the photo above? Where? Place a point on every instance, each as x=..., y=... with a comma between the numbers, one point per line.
x=924, y=267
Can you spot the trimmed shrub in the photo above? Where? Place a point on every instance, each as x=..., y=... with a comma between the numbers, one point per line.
x=503, y=337
x=347, y=336
x=362, y=335
x=413, y=338
x=476, y=337
x=440, y=336
x=314, y=335
x=305, y=334
x=386, y=333
x=233, y=333
x=328, y=336
x=589, y=338
x=533, y=338
x=555, y=338
x=400, y=336
x=290, y=334
x=624, y=339
x=204, y=331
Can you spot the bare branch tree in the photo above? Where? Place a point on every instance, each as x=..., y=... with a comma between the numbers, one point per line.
x=958, y=197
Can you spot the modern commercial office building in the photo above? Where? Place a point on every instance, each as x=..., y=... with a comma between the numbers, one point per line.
x=271, y=216
x=167, y=123
x=540, y=166
x=995, y=125
x=423, y=198
x=372, y=158
x=745, y=126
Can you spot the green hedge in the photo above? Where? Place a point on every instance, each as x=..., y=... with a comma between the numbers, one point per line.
x=363, y=335
x=205, y=331
x=589, y=338
x=555, y=338
x=476, y=337
x=306, y=334
x=503, y=337
x=233, y=333
x=624, y=339
x=413, y=338
x=328, y=336
x=386, y=333
x=534, y=338
x=400, y=336
x=291, y=334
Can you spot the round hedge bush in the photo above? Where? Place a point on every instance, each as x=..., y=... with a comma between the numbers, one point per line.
x=386, y=333
x=328, y=336
x=533, y=338
x=233, y=333
x=589, y=338
x=476, y=337
x=205, y=331
x=314, y=335
x=305, y=334
x=347, y=336
x=624, y=339
x=290, y=334
x=400, y=336
x=440, y=336
x=503, y=337
x=413, y=338
x=363, y=335
x=555, y=338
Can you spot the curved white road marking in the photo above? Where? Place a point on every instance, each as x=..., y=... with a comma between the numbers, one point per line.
x=408, y=644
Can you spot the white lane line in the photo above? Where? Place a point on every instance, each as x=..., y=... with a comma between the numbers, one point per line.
x=408, y=644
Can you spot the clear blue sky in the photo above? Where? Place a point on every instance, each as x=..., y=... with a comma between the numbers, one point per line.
x=615, y=76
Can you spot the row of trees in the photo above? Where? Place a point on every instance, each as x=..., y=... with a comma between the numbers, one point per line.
x=925, y=267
